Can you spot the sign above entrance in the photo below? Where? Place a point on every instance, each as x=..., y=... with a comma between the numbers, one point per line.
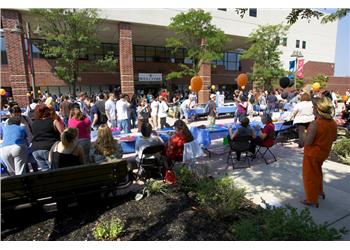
x=150, y=77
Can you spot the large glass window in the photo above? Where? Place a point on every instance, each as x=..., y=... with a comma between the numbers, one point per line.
x=230, y=61
x=150, y=54
x=158, y=54
x=3, y=50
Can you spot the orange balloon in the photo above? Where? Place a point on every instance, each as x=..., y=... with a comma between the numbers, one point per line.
x=2, y=92
x=345, y=98
x=29, y=94
x=196, y=83
x=242, y=80
x=316, y=86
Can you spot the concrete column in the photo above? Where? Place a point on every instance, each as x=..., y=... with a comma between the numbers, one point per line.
x=16, y=57
x=126, y=59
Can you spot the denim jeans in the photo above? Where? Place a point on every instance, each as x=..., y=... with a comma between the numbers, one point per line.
x=65, y=121
x=42, y=158
x=184, y=112
x=124, y=125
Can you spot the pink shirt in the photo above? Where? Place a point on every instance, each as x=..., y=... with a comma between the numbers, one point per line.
x=83, y=126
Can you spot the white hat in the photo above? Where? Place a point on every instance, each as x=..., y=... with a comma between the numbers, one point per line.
x=212, y=96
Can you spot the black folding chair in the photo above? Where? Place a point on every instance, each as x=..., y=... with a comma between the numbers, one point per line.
x=242, y=145
x=260, y=148
x=152, y=160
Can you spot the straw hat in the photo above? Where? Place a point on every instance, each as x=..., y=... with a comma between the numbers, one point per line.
x=325, y=107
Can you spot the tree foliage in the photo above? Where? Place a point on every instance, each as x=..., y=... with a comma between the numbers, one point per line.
x=307, y=14
x=321, y=79
x=69, y=34
x=202, y=40
x=265, y=53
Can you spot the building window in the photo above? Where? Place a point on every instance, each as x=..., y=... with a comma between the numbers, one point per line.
x=284, y=41
x=253, y=12
x=304, y=45
x=230, y=61
x=297, y=44
x=3, y=50
x=222, y=9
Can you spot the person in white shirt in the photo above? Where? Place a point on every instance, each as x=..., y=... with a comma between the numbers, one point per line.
x=303, y=114
x=154, y=112
x=122, y=111
x=184, y=109
x=110, y=108
x=162, y=112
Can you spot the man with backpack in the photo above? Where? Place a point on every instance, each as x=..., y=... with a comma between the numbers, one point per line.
x=98, y=112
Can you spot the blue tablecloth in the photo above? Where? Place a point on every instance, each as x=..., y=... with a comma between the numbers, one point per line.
x=219, y=109
x=226, y=109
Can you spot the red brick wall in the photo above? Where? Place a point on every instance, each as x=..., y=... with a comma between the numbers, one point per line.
x=340, y=84
x=17, y=64
x=126, y=59
x=312, y=69
x=5, y=76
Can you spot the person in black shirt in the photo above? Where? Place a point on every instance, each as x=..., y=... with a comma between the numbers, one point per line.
x=212, y=109
x=98, y=112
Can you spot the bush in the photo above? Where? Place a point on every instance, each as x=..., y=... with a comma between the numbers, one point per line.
x=220, y=197
x=108, y=230
x=342, y=149
x=284, y=223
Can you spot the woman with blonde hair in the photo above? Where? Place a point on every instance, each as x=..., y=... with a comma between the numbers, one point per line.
x=105, y=148
x=321, y=134
x=67, y=152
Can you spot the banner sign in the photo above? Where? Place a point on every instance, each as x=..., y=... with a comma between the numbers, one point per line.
x=300, y=68
x=150, y=77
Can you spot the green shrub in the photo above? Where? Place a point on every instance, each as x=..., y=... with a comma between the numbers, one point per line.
x=186, y=179
x=155, y=186
x=108, y=230
x=284, y=223
x=342, y=149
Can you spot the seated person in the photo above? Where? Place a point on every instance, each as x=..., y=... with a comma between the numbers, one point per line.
x=14, y=149
x=266, y=136
x=175, y=146
x=67, y=152
x=105, y=148
x=146, y=140
x=345, y=114
x=240, y=137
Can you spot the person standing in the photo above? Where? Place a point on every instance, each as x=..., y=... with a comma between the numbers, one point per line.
x=65, y=107
x=83, y=108
x=142, y=113
x=321, y=134
x=122, y=111
x=185, y=109
x=98, y=112
x=154, y=112
x=212, y=109
x=303, y=114
x=110, y=108
x=163, y=112
x=271, y=102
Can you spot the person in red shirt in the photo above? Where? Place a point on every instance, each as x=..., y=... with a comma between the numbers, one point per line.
x=164, y=94
x=175, y=147
x=266, y=135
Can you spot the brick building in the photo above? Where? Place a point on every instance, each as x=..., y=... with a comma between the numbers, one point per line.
x=137, y=38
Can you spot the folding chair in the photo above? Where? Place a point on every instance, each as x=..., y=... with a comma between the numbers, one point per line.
x=243, y=145
x=152, y=160
x=267, y=149
x=192, y=151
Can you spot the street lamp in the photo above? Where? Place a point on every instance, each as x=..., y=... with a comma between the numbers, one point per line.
x=297, y=54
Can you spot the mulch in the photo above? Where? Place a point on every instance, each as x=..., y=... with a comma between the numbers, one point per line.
x=173, y=216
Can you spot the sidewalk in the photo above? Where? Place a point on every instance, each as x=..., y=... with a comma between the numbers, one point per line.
x=280, y=183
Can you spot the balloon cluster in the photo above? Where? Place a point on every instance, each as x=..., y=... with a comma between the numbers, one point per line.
x=2, y=92
x=242, y=80
x=285, y=82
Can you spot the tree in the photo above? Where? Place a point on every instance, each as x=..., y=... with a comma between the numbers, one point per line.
x=202, y=40
x=265, y=53
x=70, y=34
x=297, y=14
x=321, y=79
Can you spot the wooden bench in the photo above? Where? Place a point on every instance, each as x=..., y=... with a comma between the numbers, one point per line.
x=62, y=184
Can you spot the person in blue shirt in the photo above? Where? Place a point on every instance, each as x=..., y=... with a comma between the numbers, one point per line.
x=14, y=149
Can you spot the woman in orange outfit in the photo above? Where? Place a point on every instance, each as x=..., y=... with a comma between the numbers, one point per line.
x=321, y=134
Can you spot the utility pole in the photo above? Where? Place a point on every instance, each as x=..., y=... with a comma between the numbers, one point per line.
x=30, y=58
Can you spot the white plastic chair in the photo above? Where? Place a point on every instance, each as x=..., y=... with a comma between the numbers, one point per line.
x=192, y=150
